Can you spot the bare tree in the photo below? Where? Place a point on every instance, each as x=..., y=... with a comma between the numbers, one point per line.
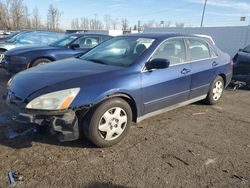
x=53, y=18
x=181, y=25
x=36, y=20
x=167, y=23
x=95, y=24
x=108, y=21
x=84, y=23
x=124, y=23
x=114, y=23
x=17, y=13
x=75, y=24
x=26, y=19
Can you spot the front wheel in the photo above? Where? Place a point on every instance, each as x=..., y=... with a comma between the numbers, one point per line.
x=41, y=61
x=215, y=91
x=109, y=122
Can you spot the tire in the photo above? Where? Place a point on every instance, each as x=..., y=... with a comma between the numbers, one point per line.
x=108, y=123
x=216, y=90
x=40, y=61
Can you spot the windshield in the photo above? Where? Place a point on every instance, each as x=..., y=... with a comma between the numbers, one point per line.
x=246, y=49
x=36, y=37
x=119, y=51
x=64, y=41
x=13, y=38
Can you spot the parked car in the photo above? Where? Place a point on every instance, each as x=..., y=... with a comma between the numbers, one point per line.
x=8, y=37
x=30, y=38
x=19, y=59
x=127, y=78
x=241, y=68
x=12, y=34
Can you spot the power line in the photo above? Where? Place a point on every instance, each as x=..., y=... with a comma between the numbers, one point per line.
x=203, y=13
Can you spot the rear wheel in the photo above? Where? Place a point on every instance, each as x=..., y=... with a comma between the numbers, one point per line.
x=109, y=122
x=41, y=61
x=215, y=91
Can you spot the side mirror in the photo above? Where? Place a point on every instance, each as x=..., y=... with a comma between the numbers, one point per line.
x=74, y=46
x=158, y=64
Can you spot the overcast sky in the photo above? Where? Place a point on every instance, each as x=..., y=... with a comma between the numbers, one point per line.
x=218, y=12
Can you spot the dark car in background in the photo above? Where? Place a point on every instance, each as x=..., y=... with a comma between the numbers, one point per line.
x=241, y=68
x=13, y=34
x=127, y=78
x=19, y=59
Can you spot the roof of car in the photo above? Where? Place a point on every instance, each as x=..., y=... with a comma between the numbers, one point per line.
x=157, y=35
x=88, y=34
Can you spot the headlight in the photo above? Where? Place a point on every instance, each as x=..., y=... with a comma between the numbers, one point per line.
x=9, y=83
x=17, y=58
x=54, y=101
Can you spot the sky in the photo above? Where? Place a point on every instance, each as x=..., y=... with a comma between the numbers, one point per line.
x=218, y=12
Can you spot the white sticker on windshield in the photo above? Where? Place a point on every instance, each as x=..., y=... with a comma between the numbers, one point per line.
x=145, y=40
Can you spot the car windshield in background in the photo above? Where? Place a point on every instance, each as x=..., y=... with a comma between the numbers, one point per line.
x=36, y=37
x=246, y=49
x=120, y=51
x=64, y=41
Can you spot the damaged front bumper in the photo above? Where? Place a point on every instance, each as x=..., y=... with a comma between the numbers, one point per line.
x=64, y=124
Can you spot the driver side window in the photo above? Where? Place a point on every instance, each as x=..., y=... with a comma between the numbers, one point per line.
x=173, y=50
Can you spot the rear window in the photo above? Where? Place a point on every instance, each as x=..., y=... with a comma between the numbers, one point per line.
x=198, y=49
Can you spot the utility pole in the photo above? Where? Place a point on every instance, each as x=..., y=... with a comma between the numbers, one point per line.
x=203, y=13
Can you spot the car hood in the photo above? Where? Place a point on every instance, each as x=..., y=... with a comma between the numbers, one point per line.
x=57, y=73
x=30, y=49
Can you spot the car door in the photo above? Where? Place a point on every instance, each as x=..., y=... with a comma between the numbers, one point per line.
x=166, y=87
x=203, y=64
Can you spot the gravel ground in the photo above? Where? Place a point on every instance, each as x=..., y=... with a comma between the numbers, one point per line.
x=193, y=146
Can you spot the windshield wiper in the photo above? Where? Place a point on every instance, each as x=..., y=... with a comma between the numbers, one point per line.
x=97, y=61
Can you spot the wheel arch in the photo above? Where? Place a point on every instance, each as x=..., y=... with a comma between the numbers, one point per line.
x=42, y=57
x=3, y=50
x=224, y=78
x=128, y=98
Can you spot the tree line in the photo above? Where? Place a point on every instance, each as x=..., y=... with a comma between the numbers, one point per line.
x=15, y=15
x=108, y=23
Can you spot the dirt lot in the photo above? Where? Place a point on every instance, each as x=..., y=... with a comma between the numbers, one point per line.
x=193, y=146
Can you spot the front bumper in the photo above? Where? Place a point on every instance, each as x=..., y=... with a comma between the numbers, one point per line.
x=63, y=124
x=13, y=67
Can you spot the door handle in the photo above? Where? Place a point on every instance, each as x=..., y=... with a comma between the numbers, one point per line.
x=214, y=64
x=185, y=71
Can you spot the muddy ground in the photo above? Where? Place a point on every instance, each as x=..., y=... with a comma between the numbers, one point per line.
x=194, y=146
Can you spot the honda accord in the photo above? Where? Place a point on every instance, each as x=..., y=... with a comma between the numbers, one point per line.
x=125, y=79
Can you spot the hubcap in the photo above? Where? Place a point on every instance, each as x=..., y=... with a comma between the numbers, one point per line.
x=217, y=90
x=42, y=63
x=112, y=123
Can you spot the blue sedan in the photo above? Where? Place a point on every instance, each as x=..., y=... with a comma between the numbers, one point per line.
x=19, y=59
x=125, y=79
